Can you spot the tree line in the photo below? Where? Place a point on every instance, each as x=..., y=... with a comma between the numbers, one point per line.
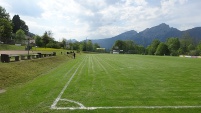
x=173, y=46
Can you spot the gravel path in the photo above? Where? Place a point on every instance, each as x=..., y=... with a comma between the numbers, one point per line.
x=2, y=90
x=17, y=52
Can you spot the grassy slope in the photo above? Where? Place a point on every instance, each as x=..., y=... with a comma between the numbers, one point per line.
x=19, y=72
x=112, y=80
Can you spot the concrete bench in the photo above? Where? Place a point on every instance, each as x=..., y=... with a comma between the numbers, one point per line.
x=17, y=57
x=35, y=56
x=25, y=57
x=7, y=58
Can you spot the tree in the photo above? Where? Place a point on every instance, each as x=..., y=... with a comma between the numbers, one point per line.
x=63, y=43
x=39, y=41
x=185, y=41
x=5, y=30
x=130, y=46
x=5, y=26
x=4, y=14
x=24, y=27
x=89, y=45
x=16, y=23
x=191, y=47
x=20, y=36
x=82, y=46
x=162, y=49
x=46, y=39
x=199, y=48
x=95, y=46
x=140, y=49
x=76, y=46
x=173, y=45
x=119, y=44
x=19, y=24
x=152, y=48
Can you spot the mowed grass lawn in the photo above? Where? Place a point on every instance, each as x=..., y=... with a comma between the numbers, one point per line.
x=108, y=82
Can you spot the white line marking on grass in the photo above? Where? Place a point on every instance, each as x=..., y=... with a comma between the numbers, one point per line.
x=127, y=107
x=53, y=106
x=72, y=101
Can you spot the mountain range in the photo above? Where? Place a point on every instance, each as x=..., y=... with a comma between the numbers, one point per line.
x=145, y=37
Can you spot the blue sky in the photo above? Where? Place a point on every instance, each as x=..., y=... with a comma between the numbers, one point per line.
x=97, y=19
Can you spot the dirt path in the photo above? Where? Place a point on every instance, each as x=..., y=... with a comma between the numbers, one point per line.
x=17, y=52
x=2, y=91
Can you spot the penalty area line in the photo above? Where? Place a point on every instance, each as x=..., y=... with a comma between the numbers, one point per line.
x=126, y=107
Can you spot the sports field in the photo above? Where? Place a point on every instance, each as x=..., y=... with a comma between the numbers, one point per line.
x=111, y=83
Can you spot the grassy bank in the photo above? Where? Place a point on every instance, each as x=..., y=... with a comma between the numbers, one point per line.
x=20, y=72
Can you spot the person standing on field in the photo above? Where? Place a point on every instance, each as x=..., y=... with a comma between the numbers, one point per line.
x=74, y=55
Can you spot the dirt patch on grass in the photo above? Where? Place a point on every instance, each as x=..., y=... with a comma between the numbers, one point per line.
x=2, y=91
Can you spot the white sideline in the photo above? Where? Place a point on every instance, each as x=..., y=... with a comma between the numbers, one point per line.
x=126, y=107
x=53, y=106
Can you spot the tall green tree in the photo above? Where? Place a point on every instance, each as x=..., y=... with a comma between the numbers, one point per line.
x=89, y=45
x=119, y=44
x=95, y=46
x=20, y=36
x=4, y=14
x=185, y=41
x=45, y=38
x=76, y=46
x=140, y=49
x=199, y=48
x=152, y=48
x=173, y=45
x=19, y=24
x=162, y=49
x=5, y=26
x=63, y=43
x=24, y=27
x=130, y=46
x=5, y=30
x=38, y=41
x=16, y=23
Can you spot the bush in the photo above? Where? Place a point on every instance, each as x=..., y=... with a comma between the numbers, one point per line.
x=194, y=53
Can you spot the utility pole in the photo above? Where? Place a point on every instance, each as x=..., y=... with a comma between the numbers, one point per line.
x=28, y=46
x=86, y=43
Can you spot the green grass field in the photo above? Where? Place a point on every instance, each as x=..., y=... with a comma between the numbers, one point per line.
x=111, y=83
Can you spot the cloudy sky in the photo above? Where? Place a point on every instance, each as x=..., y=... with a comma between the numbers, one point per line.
x=97, y=19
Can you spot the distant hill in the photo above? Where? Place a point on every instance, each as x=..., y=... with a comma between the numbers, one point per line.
x=108, y=42
x=145, y=37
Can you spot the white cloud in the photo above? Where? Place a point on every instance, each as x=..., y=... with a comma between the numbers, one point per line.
x=102, y=18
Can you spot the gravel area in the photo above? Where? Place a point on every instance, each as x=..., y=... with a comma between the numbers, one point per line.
x=2, y=90
x=17, y=52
